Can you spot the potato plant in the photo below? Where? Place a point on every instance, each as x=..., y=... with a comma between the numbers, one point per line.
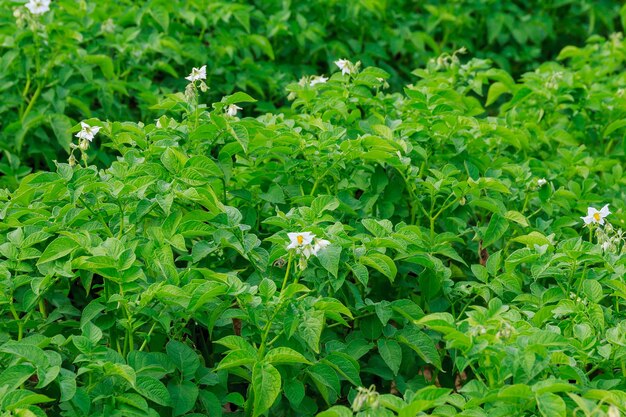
x=453, y=247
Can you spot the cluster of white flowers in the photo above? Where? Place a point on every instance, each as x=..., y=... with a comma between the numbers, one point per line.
x=85, y=136
x=365, y=399
x=306, y=244
x=38, y=7
x=317, y=79
x=87, y=132
x=609, y=238
x=197, y=74
x=345, y=66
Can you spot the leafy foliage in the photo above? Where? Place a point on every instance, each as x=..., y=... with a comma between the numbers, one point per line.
x=426, y=243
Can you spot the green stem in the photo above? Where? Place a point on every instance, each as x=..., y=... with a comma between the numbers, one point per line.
x=98, y=216
x=268, y=325
x=42, y=308
x=145, y=340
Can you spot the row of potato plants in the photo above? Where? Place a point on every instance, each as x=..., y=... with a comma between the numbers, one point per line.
x=63, y=61
x=452, y=249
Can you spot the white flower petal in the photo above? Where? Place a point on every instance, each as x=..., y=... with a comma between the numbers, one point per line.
x=604, y=211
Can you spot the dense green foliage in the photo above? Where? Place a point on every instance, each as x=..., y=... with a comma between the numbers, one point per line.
x=167, y=267
x=113, y=60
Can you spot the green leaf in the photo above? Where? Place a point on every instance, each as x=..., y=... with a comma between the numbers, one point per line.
x=237, y=358
x=517, y=217
x=240, y=133
x=183, y=395
x=294, y=391
x=58, y=248
x=336, y=411
x=238, y=97
x=329, y=258
x=266, y=384
x=391, y=352
x=531, y=239
x=497, y=226
x=618, y=124
x=13, y=376
x=551, y=405
x=153, y=390
x=285, y=355
x=345, y=366
x=23, y=398
x=382, y=263
x=310, y=329
x=495, y=91
x=593, y=290
x=184, y=357
x=421, y=343
x=173, y=160
x=104, y=62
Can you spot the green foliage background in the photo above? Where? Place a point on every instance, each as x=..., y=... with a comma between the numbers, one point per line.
x=152, y=278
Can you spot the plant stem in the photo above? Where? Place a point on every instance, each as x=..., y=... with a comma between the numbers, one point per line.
x=268, y=325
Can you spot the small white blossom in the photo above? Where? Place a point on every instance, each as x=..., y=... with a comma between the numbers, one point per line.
x=596, y=216
x=87, y=132
x=541, y=182
x=38, y=7
x=344, y=65
x=306, y=244
x=232, y=110
x=319, y=245
x=317, y=79
x=299, y=240
x=197, y=74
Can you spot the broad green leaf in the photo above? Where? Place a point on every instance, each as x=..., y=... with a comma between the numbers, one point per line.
x=329, y=258
x=266, y=384
x=551, y=405
x=495, y=230
x=184, y=357
x=421, y=343
x=58, y=248
x=153, y=390
x=183, y=395
x=104, y=62
x=294, y=391
x=310, y=329
x=391, y=352
x=285, y=355
x=382, y=263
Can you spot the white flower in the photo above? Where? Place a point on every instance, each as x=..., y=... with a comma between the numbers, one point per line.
x=300, y=240
x=197, y=74
x=38, y=7
x=595, y=216
x=344, y=65
x=317, y=79
x=319, y=245
x=232, y=110
x=87, y=132
x=541, y=182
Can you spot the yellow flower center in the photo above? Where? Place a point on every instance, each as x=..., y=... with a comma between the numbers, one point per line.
x=597, y=217
x=300, y=239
